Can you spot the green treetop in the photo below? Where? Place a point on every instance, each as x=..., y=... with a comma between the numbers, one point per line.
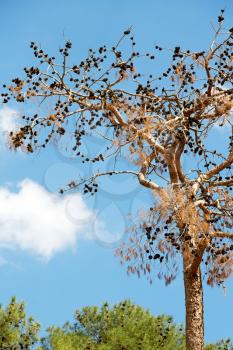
x=125, y=326
x=16, y=331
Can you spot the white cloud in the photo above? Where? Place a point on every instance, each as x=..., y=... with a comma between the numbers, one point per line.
x=36, y=221
x=9, y=121
x=9, y=118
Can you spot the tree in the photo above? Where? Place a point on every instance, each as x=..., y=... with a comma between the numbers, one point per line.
x=16, y=331
x=221, y=345
x=124, y=326
x=157, y=121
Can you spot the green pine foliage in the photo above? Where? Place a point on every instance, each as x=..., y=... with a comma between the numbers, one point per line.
x=222, y=345
x=16, y=331
x=125, y=326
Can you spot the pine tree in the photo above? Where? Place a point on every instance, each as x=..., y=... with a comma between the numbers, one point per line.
x=16, y=331
x=124, y=326
x=156, y=121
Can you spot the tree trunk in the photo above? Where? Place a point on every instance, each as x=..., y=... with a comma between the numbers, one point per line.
x=194, y=310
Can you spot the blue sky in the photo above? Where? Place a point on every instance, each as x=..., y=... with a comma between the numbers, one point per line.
x=56, y=282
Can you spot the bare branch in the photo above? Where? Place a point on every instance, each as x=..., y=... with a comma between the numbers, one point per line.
x=220, y=234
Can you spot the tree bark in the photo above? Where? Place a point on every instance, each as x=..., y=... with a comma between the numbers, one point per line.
x=194, y=310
